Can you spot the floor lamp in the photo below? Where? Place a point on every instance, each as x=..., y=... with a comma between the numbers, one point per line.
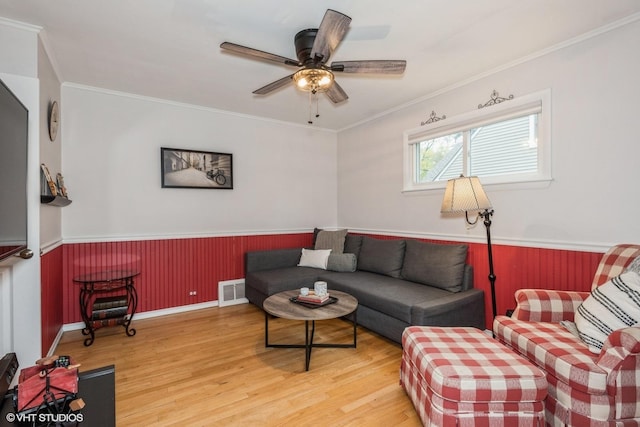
x=465, y=194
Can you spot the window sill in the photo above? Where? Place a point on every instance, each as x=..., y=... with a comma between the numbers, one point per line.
x=524, y=184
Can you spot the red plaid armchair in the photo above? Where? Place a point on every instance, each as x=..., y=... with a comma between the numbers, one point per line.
x=585, y=389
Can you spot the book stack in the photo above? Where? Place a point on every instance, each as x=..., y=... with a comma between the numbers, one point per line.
x=108, y=308
x=312, y=298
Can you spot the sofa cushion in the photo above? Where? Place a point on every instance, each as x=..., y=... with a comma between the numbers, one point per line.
x=394, y=297
x=611, y=306
x=554, y=349
x=434, y=264
x=342, y=262
x=314, y=258
x=352, y=244
x=381, y=256
x=269, y=282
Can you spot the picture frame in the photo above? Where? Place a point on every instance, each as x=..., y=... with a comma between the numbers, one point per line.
x=183, y=168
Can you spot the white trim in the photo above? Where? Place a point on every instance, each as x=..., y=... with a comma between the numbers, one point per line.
x=20, y=25
x=238, y=233
x=56, y=341
x=50, y=246
x=551, y=49
x=479, y=238
x=46, y=45
x=151, y=314
x=6, y=311
x=186, y=105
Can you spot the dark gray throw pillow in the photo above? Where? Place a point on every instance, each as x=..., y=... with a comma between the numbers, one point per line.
x=342, y=262
x=434, y=264
x=381, y=256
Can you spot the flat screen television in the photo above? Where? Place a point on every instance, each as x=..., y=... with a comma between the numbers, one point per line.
x=14, y=126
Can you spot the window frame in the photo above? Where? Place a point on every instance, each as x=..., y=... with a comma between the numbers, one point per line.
x=538, y=102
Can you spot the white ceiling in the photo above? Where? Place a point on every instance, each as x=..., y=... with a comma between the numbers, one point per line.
x=169, y=49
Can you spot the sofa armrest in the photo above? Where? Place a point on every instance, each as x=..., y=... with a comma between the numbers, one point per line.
x=544, y=305
x=620, y=357
x=271, y=259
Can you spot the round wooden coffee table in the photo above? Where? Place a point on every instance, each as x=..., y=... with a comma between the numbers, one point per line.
x=280, y=305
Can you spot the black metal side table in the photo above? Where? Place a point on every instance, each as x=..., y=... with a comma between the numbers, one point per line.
x=116, y=309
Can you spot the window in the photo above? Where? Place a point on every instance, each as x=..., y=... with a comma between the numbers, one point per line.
x=504, y=143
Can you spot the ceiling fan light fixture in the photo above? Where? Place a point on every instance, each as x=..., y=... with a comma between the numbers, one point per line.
x=313, y=79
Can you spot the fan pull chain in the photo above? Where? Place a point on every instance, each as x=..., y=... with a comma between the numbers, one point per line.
x=313, y=96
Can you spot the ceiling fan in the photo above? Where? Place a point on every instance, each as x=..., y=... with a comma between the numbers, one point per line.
x=314, y=47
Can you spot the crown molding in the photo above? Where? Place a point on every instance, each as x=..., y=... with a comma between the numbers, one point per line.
x=187, y=105
x=20, y=25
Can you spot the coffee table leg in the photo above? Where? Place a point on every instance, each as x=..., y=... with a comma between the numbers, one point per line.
x=266, y=329
x=355, y=332
x=308, y=339
x=308, y=342
x=307, y=346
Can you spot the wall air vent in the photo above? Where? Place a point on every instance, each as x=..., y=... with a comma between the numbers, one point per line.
x=231, y=292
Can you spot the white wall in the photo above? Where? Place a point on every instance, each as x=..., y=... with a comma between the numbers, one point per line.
x=284, y=176
x=50, y=151
x=592, y=201
x=17, y=48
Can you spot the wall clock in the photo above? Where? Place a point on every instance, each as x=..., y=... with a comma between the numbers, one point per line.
x=54, y=120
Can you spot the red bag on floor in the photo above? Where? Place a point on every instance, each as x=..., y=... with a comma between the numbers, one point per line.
x=38, y=385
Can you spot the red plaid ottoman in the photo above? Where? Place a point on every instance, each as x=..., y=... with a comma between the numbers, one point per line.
x=462, y=377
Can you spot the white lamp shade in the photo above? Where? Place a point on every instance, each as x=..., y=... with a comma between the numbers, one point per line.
x=464, y=194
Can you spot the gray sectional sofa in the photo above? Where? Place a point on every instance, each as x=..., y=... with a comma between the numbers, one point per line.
x=397, y=282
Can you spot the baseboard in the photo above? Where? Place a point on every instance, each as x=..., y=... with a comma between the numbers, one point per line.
x=139, y=316
x=56, y=341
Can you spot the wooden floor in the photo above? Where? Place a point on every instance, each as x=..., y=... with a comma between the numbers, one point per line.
x=210, y=367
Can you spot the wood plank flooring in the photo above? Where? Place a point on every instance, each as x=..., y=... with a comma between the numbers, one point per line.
x=210, y=367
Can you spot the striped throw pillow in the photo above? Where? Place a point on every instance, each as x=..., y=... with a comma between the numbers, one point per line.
x=611, y=306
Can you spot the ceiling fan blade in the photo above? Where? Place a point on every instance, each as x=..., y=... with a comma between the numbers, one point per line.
x=274, y=85
x=332, y=29
x=376, y=66
x=336, y=94
x=259, y=54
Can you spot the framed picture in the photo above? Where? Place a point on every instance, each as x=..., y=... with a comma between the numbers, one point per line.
x=196, y=169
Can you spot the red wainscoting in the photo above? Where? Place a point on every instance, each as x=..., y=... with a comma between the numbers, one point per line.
x=518, y=267
x=170, y=269
x=51, y=296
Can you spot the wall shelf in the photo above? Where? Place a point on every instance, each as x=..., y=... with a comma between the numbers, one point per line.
x=59, y=201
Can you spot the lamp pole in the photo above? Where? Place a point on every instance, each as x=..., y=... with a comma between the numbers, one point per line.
x=465, y=194
x=486, y=215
